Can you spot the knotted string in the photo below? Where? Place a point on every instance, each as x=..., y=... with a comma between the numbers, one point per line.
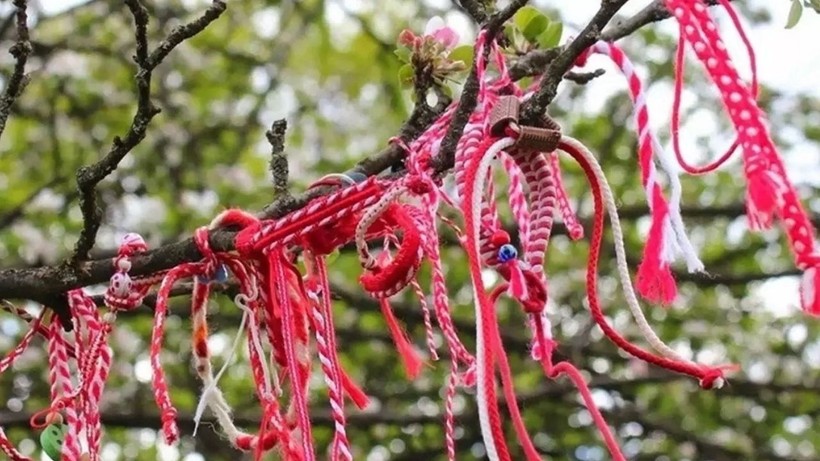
x=279, y=310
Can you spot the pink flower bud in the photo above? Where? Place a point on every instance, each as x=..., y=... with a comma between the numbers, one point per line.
x=407, y=38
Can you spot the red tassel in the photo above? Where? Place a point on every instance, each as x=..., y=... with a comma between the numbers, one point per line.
x=356, y=394
x=655, y=281
x=518, y=286
x=810, y=291
x=760, y=202
x=409, y=357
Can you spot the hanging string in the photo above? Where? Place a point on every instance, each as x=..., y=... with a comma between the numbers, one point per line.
x=667, y=232
x=573, y=225
x=281, y=311
x=290, y=337
x=678, y=91
x=770, y=193
x=475, y=177
x=708, y=377
x=327, y=352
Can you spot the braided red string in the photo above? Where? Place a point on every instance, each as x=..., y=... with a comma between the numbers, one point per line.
x=292, y=335
x=279, y=310
x=678, y=91
x=161, y=394
x=769, y=191
x=489, y=416
x=509, y=390
x=328, y=356
x=8, y=361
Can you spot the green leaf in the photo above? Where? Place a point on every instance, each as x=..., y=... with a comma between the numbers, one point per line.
x=403, y=54
x=535, y=27
x=523, y=16
x=509, y=31
x=551, y=37
x=406, y=75
x=531, y=23
x=463, y=53
x=794, y=14
x=815, y=4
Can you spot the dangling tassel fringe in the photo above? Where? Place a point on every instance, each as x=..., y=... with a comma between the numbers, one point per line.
x=278, y=291
x=573, y=225
x=667, y=234
x=407, y=352
x=655, y=281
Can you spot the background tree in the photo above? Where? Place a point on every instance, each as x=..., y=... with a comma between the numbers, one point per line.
x=84, y=86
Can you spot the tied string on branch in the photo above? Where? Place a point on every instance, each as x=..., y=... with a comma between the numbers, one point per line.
x=71, y=426
x=495, y=132
x=359, y=212
x=285, y=311
x=769, y=192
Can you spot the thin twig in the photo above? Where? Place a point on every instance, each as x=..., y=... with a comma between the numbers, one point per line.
x=48, y=284
x=534, y=108
x=278, y=161
x=88, y=177
x=582, y=78
x=20, y=50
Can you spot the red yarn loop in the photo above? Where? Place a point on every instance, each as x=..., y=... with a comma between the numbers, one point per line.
x=387, y=280
x=48, y=415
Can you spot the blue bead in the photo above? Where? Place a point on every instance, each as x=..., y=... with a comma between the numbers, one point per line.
x=507, y=252
x=221, y=274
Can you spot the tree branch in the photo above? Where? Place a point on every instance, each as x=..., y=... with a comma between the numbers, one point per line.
x=476, y=9
x=88, y=177
x=533, y=110
x=654, y=12
x=20, y=50
x=278, y=161
x=46, y=284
